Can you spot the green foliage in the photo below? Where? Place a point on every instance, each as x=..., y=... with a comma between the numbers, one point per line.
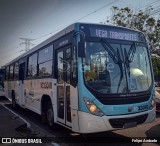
x=156, y=66
x=140, y=20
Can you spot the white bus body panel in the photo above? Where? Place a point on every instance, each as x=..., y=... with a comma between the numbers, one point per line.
x=74, y=108
x=20, y=94
x=89, y=123
x=34, y=89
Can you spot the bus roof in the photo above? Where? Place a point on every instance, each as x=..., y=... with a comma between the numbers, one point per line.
x=60, y=34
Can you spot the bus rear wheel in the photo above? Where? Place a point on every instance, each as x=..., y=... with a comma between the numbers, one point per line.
x=50, y=118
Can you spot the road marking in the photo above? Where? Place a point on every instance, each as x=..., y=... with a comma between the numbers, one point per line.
x=54, y=144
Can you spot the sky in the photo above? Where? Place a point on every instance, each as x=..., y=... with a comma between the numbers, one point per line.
x=40, y=19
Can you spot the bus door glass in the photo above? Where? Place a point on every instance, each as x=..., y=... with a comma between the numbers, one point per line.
x=63, y=85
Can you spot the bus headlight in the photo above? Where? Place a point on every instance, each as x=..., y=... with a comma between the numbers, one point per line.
x=153, y=101
x=93, y=108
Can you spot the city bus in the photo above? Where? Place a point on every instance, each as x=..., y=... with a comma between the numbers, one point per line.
x=1, y=82
x=87, y=77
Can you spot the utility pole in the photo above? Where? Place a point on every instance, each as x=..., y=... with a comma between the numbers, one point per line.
x=27, y=43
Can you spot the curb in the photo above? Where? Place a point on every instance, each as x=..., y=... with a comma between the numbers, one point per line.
x=28, y=124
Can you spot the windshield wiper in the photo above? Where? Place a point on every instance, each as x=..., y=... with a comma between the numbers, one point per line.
x=115, y=57
x=129, y=56
x=121, y=70
x=112, y=53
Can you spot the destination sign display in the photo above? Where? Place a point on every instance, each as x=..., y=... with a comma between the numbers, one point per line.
x=119, y=34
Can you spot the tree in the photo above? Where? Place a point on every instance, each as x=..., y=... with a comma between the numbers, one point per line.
x=141, y=20
x=156, y=67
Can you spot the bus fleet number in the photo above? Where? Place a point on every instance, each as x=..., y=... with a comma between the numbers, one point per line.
x=143, y=107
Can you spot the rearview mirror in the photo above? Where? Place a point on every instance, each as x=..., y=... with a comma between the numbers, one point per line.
x=81, y=49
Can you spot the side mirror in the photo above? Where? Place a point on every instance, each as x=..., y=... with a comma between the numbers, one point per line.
x=74, y=79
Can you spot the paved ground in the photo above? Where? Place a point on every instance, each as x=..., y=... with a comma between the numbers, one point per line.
x=14, y=126
x=9, y=123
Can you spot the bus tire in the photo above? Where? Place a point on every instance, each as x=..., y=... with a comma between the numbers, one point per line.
x=14, y=105
x=50, y=118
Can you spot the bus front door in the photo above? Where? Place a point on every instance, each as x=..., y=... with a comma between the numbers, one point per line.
x=63, y=85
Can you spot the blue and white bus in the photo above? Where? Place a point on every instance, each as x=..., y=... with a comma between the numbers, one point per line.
x=88, y=78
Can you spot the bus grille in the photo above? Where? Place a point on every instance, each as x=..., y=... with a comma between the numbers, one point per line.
x=119, y=123
x=124, y=100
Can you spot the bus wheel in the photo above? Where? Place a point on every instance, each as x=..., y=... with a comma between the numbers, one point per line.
x=13, y=100
x=50, y=118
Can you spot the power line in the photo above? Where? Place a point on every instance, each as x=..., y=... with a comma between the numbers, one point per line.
x=155, y=12
x=28, y=43
x=150, y=4
x=104, y=6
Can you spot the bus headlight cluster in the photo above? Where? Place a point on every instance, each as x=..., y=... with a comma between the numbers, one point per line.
x=153, y=101
x=93, y=108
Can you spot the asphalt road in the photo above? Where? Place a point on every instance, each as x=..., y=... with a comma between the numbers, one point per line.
x=66, y=137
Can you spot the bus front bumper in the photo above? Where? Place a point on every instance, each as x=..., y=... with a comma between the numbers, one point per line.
x=89, y=123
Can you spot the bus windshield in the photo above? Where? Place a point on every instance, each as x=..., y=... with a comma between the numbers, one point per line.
x=116, y=67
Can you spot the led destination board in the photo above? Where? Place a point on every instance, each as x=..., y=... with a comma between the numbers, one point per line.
x=115, y=34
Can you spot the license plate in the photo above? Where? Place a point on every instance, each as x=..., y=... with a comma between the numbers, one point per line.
x=130, y=125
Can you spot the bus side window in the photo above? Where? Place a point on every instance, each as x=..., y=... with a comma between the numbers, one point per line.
x=60, y=67
x=45, y=58
x=7, y=73
x=32, y=65
x=16, y=70
x=11, y=72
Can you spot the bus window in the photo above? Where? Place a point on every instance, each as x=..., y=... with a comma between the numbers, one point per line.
x=45, y=69
x=16, y=70
x=103, y=69
x=11, y=72
x=7, y=73
x=60, y=67
x=32, y=65
x=45, y=54
x=45, y=61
